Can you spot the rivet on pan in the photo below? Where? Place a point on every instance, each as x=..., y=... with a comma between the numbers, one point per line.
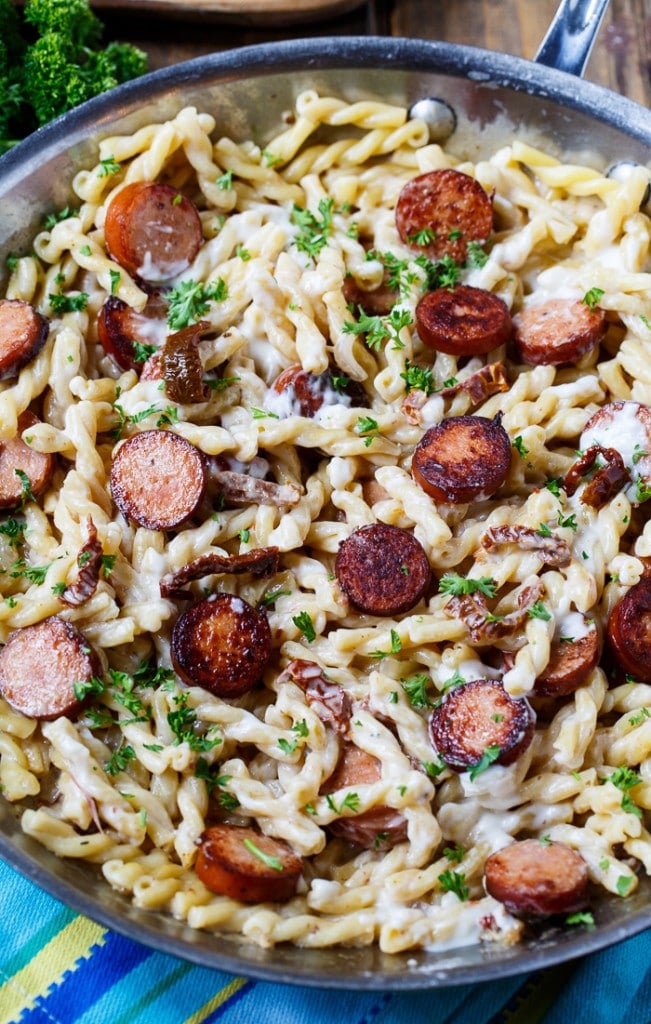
x=621, y=172
x=438, y=115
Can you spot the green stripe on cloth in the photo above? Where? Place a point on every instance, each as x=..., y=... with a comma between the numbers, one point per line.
x=217, y=1001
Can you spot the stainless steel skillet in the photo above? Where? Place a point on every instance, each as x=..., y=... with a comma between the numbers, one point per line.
x=492, y=95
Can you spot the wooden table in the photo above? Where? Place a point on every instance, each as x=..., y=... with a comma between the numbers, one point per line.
x=174, y=30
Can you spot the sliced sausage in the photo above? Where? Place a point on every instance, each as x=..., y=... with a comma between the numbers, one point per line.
x=297, y=392
x=152, y=230
x=629, y=631
x=222, y=644
x=121, y=329
x=477, y=717
x=23, y=333
x=157, y=479
x=246, y=865
x=557, y=331
x=382, y=569
x=378, y=828
x=626, y=428
x=463, y=321
x=570, y=663
x=462, y=459
x=41, y=665
x=17, y=458
x=450, y=206
x=536, y=879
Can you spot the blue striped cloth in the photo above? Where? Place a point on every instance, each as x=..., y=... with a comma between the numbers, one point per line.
x=58, y=967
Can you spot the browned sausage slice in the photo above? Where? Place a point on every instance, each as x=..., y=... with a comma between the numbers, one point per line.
x=480, y=717
x=382, y=569
x=557, y=331
x=246, y=865
x=449, y=207
x=570, y=663
x=157, y=479
x=625, y=427
x=23, y=333
x=222, y=644
x=629, y=631
x=463, y=321
x=152, y=230
x=122, y=329
x=462, y=459
x=40, y=666
x=17, y=458
x=378, y=828
x=536, y=879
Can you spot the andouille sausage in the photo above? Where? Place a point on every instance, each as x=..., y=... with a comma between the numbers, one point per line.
x=380, y=827
x=382, y=569
x=23, y=333
x=222, y=644
x=152, y=230
x=121, y=329
x=479, y=716
x=624, y=426
x=462, y=459
x=158, y=479
x=557, y=331
x=40, y=665
x=570, y=663
x=463, y=321
x=246, y=865
x=301, y=393
x=536, y=879
x=17, y=458
x=450, y=207
x=629, y=631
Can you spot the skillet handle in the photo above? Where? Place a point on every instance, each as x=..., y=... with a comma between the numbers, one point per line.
x=571, y=35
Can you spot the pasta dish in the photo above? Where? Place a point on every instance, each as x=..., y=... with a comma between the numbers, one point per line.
x=324, y=466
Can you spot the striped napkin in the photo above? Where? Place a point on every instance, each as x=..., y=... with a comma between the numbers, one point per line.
x=58, y=967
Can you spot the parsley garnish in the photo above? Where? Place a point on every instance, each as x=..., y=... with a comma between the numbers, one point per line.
x=416, y=689
x=591, y=297
x=396, y=646
x=271, y=862
x=68, y=303
x=367, y=428
x=314, y=231
x=108, y=167
x=490, y=755
x=119, y=760
x=453, y=881
x=625, y=778
x=538, y=611
x=350, y=802
x=189, y=301
x=303, y=621
x=452, y=583
x=418, y=378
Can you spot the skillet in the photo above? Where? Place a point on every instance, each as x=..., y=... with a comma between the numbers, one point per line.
x=492, y=95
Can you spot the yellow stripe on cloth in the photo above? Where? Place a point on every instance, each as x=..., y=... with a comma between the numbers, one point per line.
x=61, y=954
x=216, y=1001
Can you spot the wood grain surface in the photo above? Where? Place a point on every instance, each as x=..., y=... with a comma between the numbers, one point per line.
x=173, y=30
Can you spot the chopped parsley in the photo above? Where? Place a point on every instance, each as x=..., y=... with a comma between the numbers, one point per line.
x=119, y=760
x=68, y=303
x=453, y=881
x=267, y=859
x=367, y=428
x=418, y=378
x=314, y=231
x=452, y=583
x=189, y=301
x=625, y=778
x=489, y=756
x=416, y=687
x=108, y=167
x=591, y=297
x=396, y=646
x=303, y=622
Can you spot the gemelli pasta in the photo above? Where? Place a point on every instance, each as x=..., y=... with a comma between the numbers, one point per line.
x=324, y=545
